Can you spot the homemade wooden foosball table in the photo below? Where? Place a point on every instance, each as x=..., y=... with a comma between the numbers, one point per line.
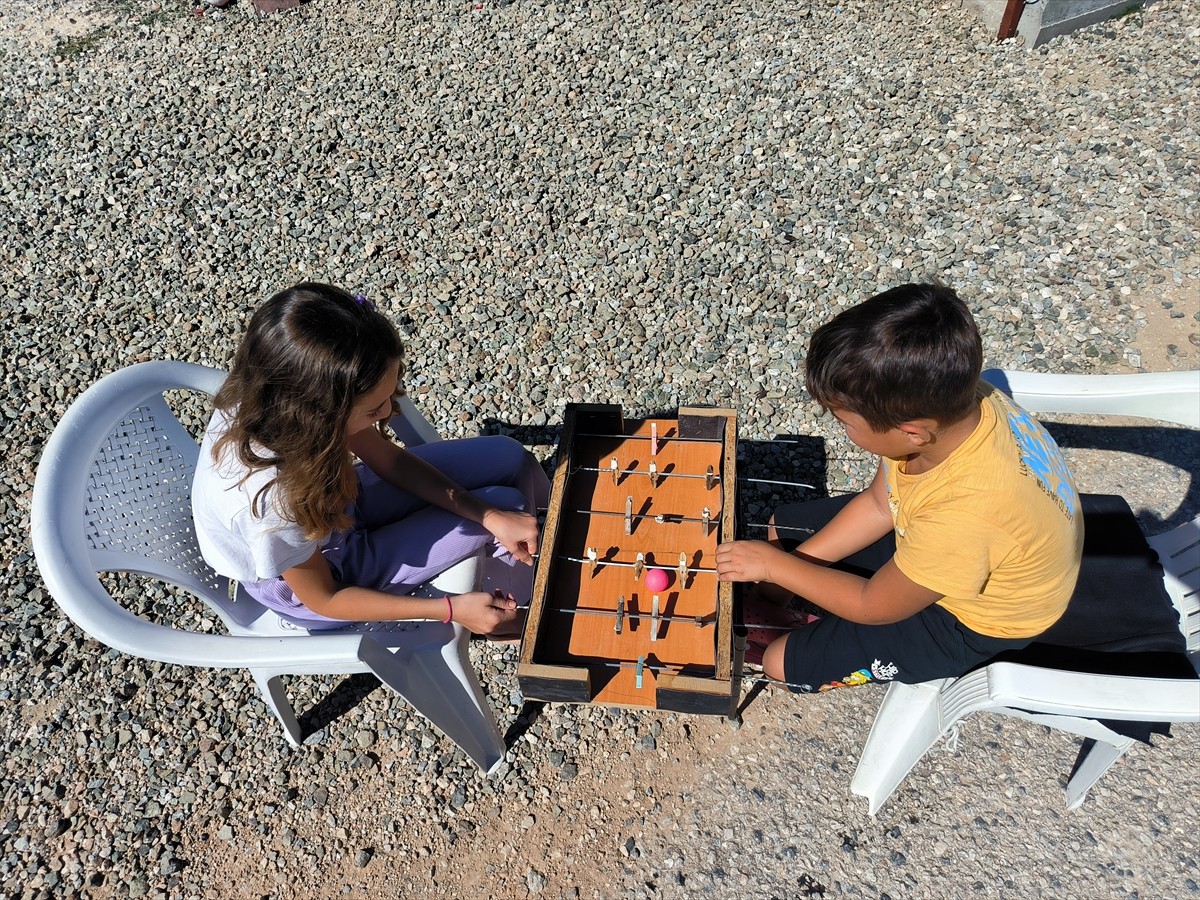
x=626, y=607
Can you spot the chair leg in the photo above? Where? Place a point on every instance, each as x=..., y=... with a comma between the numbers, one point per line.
x=274, y=695
x=905, y=727
x=437, y=680
x=1093, y=761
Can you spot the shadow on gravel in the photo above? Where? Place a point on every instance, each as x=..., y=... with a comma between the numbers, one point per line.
x=529, y=435
x=354, y=689
x=790, y=468
x=531, y=711
x=343, y=697
x=1169, y=444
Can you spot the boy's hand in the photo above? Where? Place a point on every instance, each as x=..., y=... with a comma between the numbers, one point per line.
x=483, y=613
x=517, y=531
x=746, y=561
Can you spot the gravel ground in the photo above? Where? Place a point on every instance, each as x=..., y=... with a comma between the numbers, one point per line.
x=600, y=201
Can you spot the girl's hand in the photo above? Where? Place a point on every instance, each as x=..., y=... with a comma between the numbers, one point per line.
x=746, y=561
x=517, y=531
x=484, y=613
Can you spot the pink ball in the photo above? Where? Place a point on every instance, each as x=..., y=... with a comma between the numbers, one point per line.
x=657, y=580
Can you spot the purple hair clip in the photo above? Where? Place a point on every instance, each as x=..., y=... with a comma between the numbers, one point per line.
x=361, y=300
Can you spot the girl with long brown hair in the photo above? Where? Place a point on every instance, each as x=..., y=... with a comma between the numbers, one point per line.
x=281, y=506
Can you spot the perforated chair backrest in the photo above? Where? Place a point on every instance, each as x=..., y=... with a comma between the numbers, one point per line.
x=138, y=513
x=136, y=495
x=1179, y=552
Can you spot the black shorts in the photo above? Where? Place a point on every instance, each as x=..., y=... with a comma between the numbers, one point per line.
x=834, y=652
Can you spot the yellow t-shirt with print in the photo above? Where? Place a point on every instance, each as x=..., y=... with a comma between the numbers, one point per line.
x=995, y=528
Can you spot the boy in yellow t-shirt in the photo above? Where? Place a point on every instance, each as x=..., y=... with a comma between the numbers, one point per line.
x=968, y=540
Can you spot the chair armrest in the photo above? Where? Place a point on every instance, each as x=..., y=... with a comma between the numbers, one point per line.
x=1164, y=396
x=412, y=427
x=1094, y=696
x=83, y=598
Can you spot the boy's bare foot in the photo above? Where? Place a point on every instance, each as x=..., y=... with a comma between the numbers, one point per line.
x=766, y=622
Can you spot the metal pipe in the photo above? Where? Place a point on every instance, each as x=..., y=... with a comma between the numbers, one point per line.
x=1010, y=19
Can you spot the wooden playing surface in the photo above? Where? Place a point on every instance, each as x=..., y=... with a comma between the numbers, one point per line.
x=588, y=511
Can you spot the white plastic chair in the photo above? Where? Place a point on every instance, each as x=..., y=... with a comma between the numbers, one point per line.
x=113, y=494
x=913, y=717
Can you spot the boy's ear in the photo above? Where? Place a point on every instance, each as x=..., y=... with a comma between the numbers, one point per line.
x=919, y=431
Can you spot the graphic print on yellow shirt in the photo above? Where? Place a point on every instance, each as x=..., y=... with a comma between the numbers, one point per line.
x=1042, y=458
x=995, y=528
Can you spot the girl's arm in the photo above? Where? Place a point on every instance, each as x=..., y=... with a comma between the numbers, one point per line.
x=888, y=596
x=312, y=583
x=516, y=530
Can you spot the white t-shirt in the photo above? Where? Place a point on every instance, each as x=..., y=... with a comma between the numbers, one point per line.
x=234, y=541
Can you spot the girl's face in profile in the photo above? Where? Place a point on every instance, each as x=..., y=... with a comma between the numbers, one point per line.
x=375, y=405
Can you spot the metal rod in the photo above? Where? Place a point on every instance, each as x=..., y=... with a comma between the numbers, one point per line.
x=799, y=484
x=642, y=665
x=698, y=621
x=657, y=474
x=673, y=519
x=763, y=679
x=1010, y=19
x=646, y=437
x=777, y=440
x=648, y=667
x=626, y=565
x=792, y=529
x=660, y=518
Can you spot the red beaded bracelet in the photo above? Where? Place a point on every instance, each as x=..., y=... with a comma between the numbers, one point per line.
x=449, y=611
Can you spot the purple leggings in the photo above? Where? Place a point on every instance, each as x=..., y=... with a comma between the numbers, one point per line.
x=398, y=542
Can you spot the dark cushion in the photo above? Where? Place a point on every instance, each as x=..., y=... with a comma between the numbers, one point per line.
x=1120, y=620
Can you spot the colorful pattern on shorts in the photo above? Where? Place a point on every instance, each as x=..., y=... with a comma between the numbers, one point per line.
x=879, y=671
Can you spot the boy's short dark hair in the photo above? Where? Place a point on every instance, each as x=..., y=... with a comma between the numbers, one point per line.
x=912, y=352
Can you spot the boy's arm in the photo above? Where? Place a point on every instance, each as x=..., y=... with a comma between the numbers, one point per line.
x=516, y=530
x=859, y=524
x=888, y=596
